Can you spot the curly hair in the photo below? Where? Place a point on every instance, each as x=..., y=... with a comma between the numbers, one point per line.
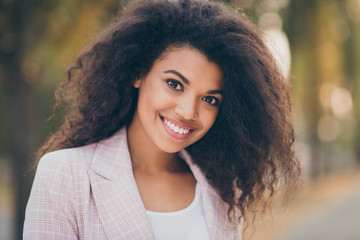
x=250, y=147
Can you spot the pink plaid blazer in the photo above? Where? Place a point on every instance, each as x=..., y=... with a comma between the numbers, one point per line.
x=90, y=193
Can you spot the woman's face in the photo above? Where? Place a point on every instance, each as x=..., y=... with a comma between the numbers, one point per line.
x=178, y=100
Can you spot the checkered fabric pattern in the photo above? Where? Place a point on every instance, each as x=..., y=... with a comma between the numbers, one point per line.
x=90, y=193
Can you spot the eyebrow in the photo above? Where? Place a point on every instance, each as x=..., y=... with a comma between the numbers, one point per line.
x=179, y=75
x=216, y=92
x=186, y=81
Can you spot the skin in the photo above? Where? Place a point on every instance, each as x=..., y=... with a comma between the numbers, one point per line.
x=182, y=87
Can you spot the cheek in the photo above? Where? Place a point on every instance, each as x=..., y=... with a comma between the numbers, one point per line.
x=208, y=119
x=153, y=99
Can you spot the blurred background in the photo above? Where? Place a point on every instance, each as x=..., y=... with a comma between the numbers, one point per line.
x=317, y=43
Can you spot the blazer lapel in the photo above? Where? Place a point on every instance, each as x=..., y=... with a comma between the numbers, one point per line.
x=118, y=200
x=115, y=192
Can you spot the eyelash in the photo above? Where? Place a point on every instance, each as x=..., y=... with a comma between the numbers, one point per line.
x=213, y=100
x=208, y=99
x=172, y=82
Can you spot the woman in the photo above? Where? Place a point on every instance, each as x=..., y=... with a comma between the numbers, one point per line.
x=178, y=122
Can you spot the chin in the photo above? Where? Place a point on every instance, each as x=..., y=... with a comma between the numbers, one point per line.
x=171, y=149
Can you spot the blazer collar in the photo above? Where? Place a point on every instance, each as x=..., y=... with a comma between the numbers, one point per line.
x=111, y=157
x=118, y=200
x=115, y=192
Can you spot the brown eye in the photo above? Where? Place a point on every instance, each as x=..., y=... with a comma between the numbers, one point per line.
x=174, y=84
x=211, y=100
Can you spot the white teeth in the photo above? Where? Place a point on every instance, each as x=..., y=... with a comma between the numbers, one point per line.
x=176, y=128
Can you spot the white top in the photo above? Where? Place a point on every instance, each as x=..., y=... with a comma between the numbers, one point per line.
x=185, y=224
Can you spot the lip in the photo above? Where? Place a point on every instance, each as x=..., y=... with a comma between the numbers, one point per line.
x=179, y=124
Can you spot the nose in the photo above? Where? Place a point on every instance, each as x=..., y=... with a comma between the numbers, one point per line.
x=187, y=109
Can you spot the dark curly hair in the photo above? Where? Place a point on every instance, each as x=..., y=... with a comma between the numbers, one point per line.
x=249, y=149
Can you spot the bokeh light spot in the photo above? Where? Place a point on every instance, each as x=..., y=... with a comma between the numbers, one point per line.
x=341, y=102
x=278, y=44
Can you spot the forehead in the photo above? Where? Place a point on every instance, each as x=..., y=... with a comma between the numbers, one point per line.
x=192, y=64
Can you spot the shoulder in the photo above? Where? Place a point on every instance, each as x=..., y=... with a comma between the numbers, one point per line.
x=62, y=181
x=61, y=174
x=59, y=194
x=66, y=161
x=65, y=170
x=77, y=162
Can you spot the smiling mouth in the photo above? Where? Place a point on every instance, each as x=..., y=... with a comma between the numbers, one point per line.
x=175, y=128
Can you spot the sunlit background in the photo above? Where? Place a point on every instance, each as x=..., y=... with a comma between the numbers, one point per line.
x=317, y=46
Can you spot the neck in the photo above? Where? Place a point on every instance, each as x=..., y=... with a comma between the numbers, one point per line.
x=146, y=156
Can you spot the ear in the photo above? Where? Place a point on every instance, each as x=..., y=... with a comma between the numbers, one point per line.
x=137, y=83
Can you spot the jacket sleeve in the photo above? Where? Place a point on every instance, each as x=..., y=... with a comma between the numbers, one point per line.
x=50, y=210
